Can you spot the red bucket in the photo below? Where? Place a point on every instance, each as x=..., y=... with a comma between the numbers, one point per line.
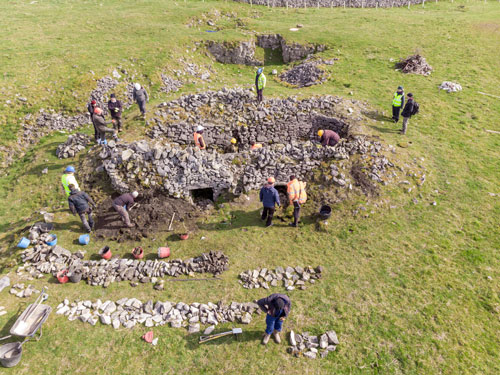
x=61, y=276
x=105, y=253
x=184, y=236
x=138, y=252
x=163, y=252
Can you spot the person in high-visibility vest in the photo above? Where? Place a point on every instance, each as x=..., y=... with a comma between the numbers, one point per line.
x=198, y=138
x=260, y=83
x=398, y=102
x=68, y=178
x=297, y=196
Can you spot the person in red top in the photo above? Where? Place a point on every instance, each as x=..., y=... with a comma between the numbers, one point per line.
x=198, y=138
x=328, y=137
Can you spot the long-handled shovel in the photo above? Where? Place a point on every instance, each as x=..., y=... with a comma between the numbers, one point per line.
x=234, y=331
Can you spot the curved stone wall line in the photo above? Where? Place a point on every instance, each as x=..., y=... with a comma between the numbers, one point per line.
x=332, y=3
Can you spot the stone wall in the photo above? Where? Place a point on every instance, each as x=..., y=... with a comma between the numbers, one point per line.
x=234, y=113
x=242, y=53
x=332, y=3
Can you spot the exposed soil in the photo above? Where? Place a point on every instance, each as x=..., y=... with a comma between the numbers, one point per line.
x=362, y=180
x=151, y=215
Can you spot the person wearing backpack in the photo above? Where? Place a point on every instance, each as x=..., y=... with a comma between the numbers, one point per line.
x=411, y=108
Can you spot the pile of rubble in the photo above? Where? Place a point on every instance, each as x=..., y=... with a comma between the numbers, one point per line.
x=193, y=70
x=309, y=345
x=128, y=312
x=304, y=75
x=235, y=113
x=450, y=86
x=291, y=277
x=73, y=145
x=51, y=259
x=170, y=84
x=415, y=64
x=21, y=291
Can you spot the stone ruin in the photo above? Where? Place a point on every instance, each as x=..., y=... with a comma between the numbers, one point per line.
x=243, y=53
x=305, y=74
x=286, y=128
x=73, y=145
x=332, y=3
x=129, y=312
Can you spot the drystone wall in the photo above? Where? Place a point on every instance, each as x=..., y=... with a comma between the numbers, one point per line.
x=332, y=3
x=235, y=113
x=234, y=53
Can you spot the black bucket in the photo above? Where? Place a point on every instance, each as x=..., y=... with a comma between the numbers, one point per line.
x=325, y=212
x=44, y=227
x=75, y=277
x=10, y=354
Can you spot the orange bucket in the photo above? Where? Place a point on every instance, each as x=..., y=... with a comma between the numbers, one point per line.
x=163, y=252
x=61, y=276
x=138, y=252
x=105, y=253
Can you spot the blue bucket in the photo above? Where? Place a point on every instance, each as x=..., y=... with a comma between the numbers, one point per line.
x=53, y=241
x=84, y=239
x=24, y=243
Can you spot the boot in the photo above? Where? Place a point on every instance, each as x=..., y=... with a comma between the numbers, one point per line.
x=276, y=337
x=265, y=339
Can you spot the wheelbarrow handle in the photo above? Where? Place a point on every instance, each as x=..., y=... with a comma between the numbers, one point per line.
x=5, y=337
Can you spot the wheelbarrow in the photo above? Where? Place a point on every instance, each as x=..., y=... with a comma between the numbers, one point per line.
x=26, y=326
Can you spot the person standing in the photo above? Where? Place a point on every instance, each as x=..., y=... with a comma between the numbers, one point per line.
x=80, y=203
x=68, y=178
x=115, y=109
x=198, y=138
x=260, y=83
x=91, y=107
x=141, y=97
x=100, y=123
x=277, y=307
x=270, y=198
x=397, y=102
x=328, y=137
x=408, y=111
x=297, y=196
x=123, y=204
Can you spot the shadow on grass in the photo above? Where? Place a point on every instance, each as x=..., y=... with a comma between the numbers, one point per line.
x=246, y=336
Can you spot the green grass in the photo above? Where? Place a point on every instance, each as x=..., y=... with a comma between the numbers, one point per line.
x=407, y=289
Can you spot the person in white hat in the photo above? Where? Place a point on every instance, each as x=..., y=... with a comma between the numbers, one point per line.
x=141, y=97
x=198, y=138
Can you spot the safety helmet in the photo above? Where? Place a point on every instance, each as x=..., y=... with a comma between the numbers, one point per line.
x=400, y=87
x=93, y=102
x=320, y=133
x=70, y=169
x=233, y=141
x=199, y=128
x=271, y=180
x=135, y=194
x=97, y=110
x=260, y=70
x=137, y=86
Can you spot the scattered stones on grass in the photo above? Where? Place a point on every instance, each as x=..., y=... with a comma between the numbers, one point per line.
x=290, y=277
x=170, y=84
x=21, y=291
x=415, y=64
x=304, y=74
x=44, y=259
x=310, y=346
x=128, y=312
x=332, y=3
x=73, y=145
x=450, y=86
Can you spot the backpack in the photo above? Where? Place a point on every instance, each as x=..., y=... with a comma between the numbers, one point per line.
x=416, y=109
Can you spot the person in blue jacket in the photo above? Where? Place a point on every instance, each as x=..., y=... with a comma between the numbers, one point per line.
x=270, y=199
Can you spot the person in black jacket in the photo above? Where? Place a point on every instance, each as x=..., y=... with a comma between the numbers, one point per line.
x=80, y=203
x=407, y=112
x=269, y=197
x=115, y=109
x=91, y=107
x=277, y=307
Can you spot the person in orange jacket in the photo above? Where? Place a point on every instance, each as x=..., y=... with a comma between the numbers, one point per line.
x=297, y=196
x=198, y=138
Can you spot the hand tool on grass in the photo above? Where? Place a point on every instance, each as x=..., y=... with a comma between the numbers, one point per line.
x=171, y=221
x=234, y=331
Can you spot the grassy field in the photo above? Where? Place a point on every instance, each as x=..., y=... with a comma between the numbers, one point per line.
x=409, y=289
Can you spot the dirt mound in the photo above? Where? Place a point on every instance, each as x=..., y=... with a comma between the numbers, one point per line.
x=415, y=64
x=151, y=215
